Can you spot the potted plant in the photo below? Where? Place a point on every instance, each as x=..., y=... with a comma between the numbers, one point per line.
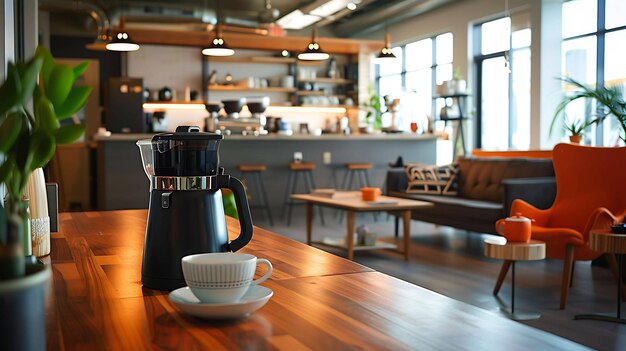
x=457, y=85
x=576, y=129
x=28, y=138
x=610, y=102
x=373, y=107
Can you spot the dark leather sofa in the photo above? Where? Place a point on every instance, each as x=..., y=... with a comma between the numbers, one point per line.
x=486, y=188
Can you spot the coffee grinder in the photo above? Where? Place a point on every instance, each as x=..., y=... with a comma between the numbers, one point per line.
x=186, y=214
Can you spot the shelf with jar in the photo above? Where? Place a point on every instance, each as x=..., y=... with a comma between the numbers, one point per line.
x=299, y=81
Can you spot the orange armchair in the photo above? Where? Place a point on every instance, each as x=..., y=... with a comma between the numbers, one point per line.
x=591, y=194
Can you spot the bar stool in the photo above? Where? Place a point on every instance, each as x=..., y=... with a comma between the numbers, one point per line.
x=306, y=169
x=358, y=169
x=361, y=171
x=259, y=187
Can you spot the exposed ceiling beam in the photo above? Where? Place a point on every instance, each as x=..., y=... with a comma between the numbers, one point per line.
x=400, y=11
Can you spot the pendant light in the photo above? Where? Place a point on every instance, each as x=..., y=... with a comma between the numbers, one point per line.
x=122, y=41
x=386, y=54
x=313, y=51
x=218, y=46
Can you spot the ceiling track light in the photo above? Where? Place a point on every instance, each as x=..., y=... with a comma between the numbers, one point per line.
x=218, y=45
x=386, y=53
x=313, y=51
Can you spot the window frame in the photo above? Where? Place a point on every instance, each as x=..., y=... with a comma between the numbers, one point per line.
x=433, y=67
x=479, y=58
x=600, y=35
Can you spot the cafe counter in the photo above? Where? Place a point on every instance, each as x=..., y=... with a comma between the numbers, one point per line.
x=122, y=184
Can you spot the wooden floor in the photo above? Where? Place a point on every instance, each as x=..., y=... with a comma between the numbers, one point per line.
x=451, y=262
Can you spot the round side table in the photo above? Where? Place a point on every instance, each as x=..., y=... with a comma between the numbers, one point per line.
x=610, y=243
x=511, y=252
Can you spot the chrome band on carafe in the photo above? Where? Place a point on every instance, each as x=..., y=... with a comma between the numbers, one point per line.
x=183, y=183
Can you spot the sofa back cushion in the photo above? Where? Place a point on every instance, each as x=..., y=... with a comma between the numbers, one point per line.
x=481, y=178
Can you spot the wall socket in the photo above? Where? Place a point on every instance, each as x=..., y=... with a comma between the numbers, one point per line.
x=327, y=158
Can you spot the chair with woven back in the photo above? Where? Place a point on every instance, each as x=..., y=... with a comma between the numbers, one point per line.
x=591, y=194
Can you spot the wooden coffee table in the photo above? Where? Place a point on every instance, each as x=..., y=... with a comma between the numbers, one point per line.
x=511, y=252
x=610, y=243
x=351, y=204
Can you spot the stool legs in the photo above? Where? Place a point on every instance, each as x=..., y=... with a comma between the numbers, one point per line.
x=265, y=202
x=310, y=186
x=290, y=203
x=286, y=199
x=259, y=193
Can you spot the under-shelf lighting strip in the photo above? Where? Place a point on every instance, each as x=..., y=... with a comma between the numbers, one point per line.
x=173, y=106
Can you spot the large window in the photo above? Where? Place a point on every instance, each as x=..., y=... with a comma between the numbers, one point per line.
x=594, y=33
x=502, y=58
x=421, y=65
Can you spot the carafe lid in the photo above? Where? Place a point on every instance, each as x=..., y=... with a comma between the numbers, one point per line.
x=187, y=133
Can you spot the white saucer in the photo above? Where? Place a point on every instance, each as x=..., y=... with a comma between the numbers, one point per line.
x=188, y=303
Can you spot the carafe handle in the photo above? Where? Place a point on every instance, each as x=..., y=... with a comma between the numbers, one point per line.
x=243, y=210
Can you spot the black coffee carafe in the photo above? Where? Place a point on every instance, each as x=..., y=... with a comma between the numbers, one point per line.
x=186, y=214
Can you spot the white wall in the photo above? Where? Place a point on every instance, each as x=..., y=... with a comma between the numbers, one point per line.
x=460, y=17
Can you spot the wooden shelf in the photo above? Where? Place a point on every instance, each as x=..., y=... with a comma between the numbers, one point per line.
x=311, y=93
x=261, y=59
x=243, y=88
x=328, y=80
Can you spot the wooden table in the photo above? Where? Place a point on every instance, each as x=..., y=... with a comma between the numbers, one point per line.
x=353, y=204
x=95, y=301
x=511, y=252
x=609, y=242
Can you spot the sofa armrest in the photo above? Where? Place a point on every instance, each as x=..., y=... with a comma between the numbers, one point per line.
x=539, y=192
x=397, y=180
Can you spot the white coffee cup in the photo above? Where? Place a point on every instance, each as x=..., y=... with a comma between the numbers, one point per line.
x=222, y=277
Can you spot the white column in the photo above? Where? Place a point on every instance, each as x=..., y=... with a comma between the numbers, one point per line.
x=545, y=69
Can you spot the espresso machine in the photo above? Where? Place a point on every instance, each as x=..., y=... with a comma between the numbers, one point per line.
x=186, y=214
x=235, y=124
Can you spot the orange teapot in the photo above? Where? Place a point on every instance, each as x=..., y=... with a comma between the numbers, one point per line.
x=515, y=228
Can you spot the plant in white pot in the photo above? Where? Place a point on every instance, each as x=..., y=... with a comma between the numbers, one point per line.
x=27, y=142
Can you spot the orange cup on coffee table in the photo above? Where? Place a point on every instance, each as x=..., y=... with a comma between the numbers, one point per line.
x=370, y=194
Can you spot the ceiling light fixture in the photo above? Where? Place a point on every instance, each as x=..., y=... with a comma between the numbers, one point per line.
x=121, y=41
x=351, y=6
x=386, y=53
x=313, y=51
x=218, y=45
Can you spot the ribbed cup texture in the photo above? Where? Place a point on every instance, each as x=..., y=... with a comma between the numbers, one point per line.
x=40, y=234
x=223, y=275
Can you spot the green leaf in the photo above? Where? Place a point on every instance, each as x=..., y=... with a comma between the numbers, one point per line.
x=42, y=147
x=10, y=130
x=69, y=134
x=74, y=102
x=28, y=78
x=44, y=112
x=23, y=154
x=48, y=62
x=59, y=84
x=10, y=90
x=5, y=169
x=80, y=69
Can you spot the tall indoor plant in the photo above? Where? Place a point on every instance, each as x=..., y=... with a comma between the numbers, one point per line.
x=610, y=100
x=28, y=137
x=35, y=96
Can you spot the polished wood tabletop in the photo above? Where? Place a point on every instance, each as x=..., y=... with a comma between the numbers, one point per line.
x=321, y=302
